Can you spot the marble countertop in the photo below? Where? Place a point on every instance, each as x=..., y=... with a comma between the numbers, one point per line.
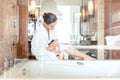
x=105, y=47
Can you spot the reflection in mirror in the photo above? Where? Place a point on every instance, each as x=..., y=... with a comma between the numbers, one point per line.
x=81, y=27
x=88, y=27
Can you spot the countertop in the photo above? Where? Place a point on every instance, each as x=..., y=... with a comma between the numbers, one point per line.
x=105, y=47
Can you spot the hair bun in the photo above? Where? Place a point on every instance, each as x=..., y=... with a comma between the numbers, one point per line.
x=49, y=18
x=44, y=15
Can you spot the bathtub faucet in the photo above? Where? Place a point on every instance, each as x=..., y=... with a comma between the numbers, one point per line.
x=8, y=62
x=5, y=64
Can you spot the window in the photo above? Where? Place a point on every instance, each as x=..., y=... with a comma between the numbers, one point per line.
x=68, y=24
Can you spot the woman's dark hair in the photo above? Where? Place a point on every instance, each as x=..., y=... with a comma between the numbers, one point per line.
x=49, y=18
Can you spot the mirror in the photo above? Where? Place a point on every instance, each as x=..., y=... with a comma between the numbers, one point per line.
x=82, y=25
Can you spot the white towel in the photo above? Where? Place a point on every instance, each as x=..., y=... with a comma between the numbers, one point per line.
x=113, y=40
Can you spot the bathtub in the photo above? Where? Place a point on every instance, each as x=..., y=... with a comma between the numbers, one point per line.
x=87, y=70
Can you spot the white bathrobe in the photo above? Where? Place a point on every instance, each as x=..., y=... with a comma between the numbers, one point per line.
x=40, y=42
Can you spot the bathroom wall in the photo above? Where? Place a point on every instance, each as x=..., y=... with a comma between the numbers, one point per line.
x=115, y=12
x=7, y=30
x=112, y=10
x=112, y=20
x=107, y=7
x=115, y=24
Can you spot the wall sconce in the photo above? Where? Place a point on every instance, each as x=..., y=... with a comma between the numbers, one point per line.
x=84, y=13
x=49, y=6
x=33, y=11
x=87, y=13
x=91, y=8
x=87, y=10
x=32, y=4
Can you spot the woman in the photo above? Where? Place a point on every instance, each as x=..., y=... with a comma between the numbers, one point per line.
x=45, y=44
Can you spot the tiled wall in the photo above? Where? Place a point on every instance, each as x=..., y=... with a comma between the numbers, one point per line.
x=7, y=29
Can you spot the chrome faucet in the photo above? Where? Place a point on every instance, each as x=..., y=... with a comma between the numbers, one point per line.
x=8, y=62
x=5, y=64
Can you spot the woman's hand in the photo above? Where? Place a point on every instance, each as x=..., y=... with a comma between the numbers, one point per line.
x=53, y=47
